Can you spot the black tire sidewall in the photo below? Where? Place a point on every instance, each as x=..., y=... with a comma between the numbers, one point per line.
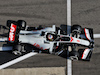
x=21, y=24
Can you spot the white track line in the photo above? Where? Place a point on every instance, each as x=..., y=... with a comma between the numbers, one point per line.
x=69, y=12
x=69, y=62
x=96, y=35
x=17, y=60
x=69, y=67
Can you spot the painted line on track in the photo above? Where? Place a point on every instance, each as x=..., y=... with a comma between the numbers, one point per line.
x=69, y=67
x=69, y=12
x=96, y=35
x=69, y=62
x=17, y=60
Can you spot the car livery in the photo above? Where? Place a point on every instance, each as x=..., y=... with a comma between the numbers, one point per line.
x=52, y=39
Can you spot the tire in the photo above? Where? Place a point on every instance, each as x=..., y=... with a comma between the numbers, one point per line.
x=76, y=29
x=9, y=22
x=21, y=24
x=74, y=55
x=17, y=50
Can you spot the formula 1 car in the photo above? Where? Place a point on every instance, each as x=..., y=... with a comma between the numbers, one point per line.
x=52, y=39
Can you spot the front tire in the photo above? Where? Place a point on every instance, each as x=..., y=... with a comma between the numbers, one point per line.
x=64, y=28
x=73, y=55
x=76, y=30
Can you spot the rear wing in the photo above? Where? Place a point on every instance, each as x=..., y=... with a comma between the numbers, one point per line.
x=12, y=32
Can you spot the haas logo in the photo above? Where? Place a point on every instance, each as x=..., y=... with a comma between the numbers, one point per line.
x=12, y=32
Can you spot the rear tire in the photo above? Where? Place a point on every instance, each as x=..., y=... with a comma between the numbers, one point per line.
x=21, y=24
x=17, y=49
x=9, y=22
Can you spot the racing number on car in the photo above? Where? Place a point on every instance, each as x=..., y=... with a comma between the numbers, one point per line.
x=12, y=32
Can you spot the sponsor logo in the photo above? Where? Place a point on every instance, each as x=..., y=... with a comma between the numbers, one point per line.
x=78, y=40
x=12, y=32
x=38, y=46
x=71, y=39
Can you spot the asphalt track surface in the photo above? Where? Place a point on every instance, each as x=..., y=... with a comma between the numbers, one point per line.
x=35, y=13
x=87, y=14
x=49, y=12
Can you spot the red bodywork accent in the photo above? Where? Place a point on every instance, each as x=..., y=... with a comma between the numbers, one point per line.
x=71, y=39
x=38, y=46
x=78, y=40
x=12, y=32
x=56, y=47
x=83, y=53
x=45, y=49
